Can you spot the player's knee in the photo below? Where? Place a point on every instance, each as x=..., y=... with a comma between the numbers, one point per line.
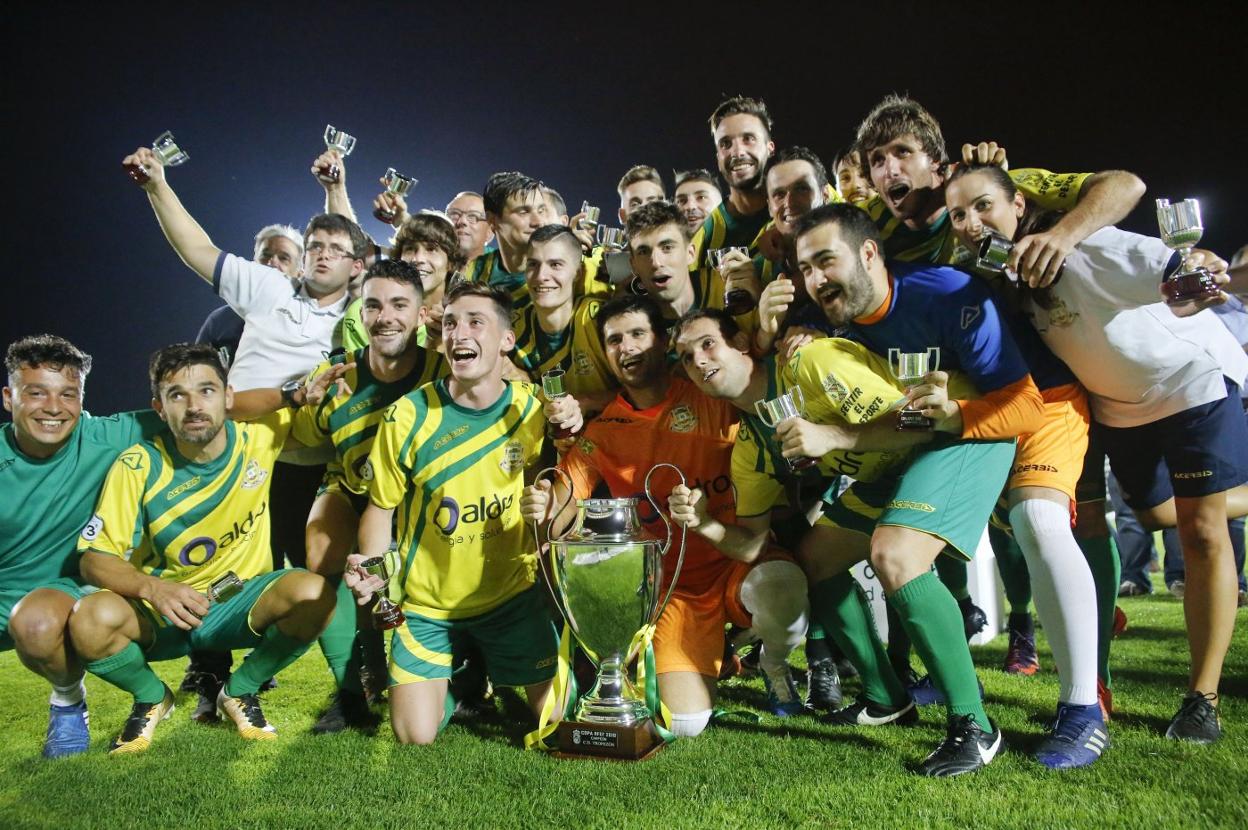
x=888, y=562
x=1204, y=537
x=690, y=724
x=306, y=589
x=412, y=731
x=38, y=628
x=777, y=588
x=96, y=619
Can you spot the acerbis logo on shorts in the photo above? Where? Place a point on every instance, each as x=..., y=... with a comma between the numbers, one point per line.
x=1034, y=468
x=93, y=528
x=1201, y=474
x=900, y=504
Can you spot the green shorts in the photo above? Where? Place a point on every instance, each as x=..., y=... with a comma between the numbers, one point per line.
x=518, y=640
x=9, y=597
x=947, y=491
x=225, y=627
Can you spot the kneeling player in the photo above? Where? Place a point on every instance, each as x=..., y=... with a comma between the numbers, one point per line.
x=451, y=457
x=190, y=507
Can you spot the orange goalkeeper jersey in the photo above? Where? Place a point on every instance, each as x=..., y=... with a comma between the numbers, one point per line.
x=688, y=429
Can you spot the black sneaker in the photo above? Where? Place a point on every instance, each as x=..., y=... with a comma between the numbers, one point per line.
x=1197, y=720
x=208, y=686
x=347, y=709
x=965, y=748
x=823, y=685
x=974, y=620
x=868, y=713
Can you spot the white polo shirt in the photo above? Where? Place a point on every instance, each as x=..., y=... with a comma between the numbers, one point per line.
x=286, y=332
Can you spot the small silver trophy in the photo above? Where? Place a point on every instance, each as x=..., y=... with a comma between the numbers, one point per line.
x=552, y=385
x=610, y=238
x=167, y=150
x=737, y=301
x=386, y=614
x=1181, y=229
x=791, y=404
x=398, y=185
x=590, y=219
x=909, y=368
x=338, y=140
x=224, y=587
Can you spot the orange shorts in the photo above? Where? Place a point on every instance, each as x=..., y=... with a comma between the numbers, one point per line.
x=690, y=633
x=1053, y=455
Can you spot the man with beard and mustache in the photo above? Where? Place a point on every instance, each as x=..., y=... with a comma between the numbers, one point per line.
x=697, y=195
x=943, y=499
x=181, y=515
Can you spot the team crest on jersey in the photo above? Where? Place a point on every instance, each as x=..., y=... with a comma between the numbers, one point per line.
x=254, y=475
x=1061, y=316
x=683, y=419
x=970, y=313
x=580, y=363
x=513, y=457
x=366, y=470
x=836, y=390
x=585, y=445
x=93, y=528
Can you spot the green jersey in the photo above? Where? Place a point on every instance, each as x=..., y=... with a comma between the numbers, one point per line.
x=47, y=501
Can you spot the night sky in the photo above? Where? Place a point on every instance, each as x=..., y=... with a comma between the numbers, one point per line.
x=572, y=98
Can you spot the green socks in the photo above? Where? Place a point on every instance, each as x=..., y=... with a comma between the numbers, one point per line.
x=338, y=640
x=840, y=606
x=1013, y=568
x=275, y=652
x=953, y=572
x=1102, y=556
x=128, y=670
x=931, y=618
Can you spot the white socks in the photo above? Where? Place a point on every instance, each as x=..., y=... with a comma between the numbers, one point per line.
x=776, y=595
x=690, y=725
x=70, y=695
x=1064, y=594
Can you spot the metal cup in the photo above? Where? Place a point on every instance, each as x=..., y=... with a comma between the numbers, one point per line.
x=397, y=184
x=737, y=301
x=341, y=141
x=1181, y=228
x=167, y=150
x=224, y=587
x=552, y=385
x=386, y=614
x=590, y=219
x=909, y=368
x=610, y=238
x=791, y=404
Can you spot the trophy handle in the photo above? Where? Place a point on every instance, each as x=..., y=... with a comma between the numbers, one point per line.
x=799, y=397
x=667, y=546
x=550, y=523
x=763, y=414
x=894, y=361
x=933, y=358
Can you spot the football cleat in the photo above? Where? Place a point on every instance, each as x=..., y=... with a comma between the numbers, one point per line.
x=136, y=735
x=782, y=697
x=347, y=709
x=823, y=685
x=1077, y=737
x=206, y=685
x=966, y=748
x=1127, y=588
x=1177, y=588
x=1197, y=720
x=1021, y=657
x=974, y=620
x=1105, y=697
x=247, y=716
x=924, y=692
x=67, y=731
x=869, y=713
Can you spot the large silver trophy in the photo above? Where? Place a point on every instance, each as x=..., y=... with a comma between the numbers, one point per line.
x=338, y=140
x=167, y=150
x=607, y=576
x=1181, y=229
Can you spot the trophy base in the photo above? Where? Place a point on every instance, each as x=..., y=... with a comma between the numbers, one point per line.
x=803, y=462
x=909, y=420
x=329, y=175
x=1192, y=287
x=136, y=172
x=387, y=616
x=608, y=742
x=387, y=216
x=738, y=302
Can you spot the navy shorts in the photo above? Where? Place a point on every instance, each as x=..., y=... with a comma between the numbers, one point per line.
x=1196, y=452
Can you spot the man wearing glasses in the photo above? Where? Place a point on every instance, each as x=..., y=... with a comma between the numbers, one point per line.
x=467, y=213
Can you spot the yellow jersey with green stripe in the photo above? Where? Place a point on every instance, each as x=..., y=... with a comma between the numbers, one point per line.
x=725, y=229
x=577, y=349
x=488, y=268
x=594, y=280
x=349, y=424
x=455, y=476
x=186, y=522
x=936, y=243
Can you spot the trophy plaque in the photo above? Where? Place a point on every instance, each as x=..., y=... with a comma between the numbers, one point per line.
x=792, y=404
x=167, y=150
x=607, y=575
x=1181, y=229
x=397, y=185
x=341, y=141
x=386, y=614
x=909, y=368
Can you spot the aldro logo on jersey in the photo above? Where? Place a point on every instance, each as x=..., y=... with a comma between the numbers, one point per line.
x=459, y=524
x=199, y=550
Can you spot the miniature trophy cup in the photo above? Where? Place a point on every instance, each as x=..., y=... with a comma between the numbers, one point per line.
x=552, y=385
x=344, y=144
x=792, y=404
x=590, y=219
x=166, y=150
x=398, y=185
x=386, y=614
x=737, y=301
x=909, y=368
x=1181, y=229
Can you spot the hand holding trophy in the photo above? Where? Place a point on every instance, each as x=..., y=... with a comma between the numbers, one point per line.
x=1181, y=229
x=791, y=404
x=909, y=368
x=341, y=142
x=165, y=153
x=397, y=186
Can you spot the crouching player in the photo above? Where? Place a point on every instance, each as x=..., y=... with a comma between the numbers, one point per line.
x=451, y=457
x=190, y=509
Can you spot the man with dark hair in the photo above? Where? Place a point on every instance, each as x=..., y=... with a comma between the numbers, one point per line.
x=515, y=206
x=180, y=542
x=741, y=128
x=661, y=418
x=697, y=195
x=849, y=174
x=53, y=459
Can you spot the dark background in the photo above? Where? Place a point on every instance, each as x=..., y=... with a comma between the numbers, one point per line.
x=571, y=96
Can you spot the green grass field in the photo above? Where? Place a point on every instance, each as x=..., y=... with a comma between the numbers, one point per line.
x=793, y=772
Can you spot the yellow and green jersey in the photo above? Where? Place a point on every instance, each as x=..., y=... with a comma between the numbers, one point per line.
x=488, y=268
x=937, y=244
x=725, y=229
x=349, y=424
x=455, y=476
x=594, y=280
x=186, y=522
x=351, y=332
x=577, y=349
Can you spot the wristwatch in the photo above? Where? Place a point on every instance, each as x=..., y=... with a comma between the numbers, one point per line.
x=289, y=389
